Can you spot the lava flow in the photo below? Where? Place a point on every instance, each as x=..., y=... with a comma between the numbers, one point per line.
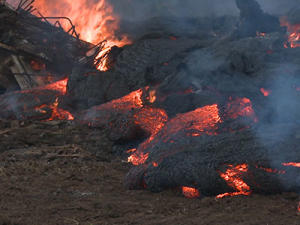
x=293, y=33
x=57, y=113
x=233, y=178
x=137, y=158
x=294, y=164
x=94, y=20
x=240, y=107
x=190, y=192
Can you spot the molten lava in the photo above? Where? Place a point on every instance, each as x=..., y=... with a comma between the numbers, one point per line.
x=240, y=107
x=57, y=113
x=197, y=122
x=190, y=192
x=137, y=158
x=293, y=33
x=60, y=86
x=294, y=164
x=233, y=178
x=151, y=119
x=94, y=20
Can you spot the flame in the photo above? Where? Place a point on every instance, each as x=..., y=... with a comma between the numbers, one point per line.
x=265, y=92
x=293, y=33
x=241, y=107
x=294, y=164
x=233, y=178
x=190, y=192
x=298, y=208
x=94, y=20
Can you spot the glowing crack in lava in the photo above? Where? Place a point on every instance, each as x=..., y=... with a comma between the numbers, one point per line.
x=294, y=164
x=190, y=192
x=94, y=20
x=293, y=33
x=233, y=178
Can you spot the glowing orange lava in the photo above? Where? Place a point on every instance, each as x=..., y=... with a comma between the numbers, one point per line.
x=293, y=33
x=96, y=21
x=199, y=121
x=294, y=164
x=138, y=158
x=270, y=170
x=60, y=86
x=265, y=92
x=241, y=107
x=151, y=119
x=190, y=192
x=57, y=113
x=128, y=102
x=233, y=178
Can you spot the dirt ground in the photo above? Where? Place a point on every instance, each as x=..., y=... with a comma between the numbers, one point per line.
x=60, y=173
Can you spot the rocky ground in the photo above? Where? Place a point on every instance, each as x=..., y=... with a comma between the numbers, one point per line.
x=61, y=173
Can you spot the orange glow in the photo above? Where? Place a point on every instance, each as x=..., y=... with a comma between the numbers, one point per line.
x=57, y=113
x=155, y=164
x=293, y=33
x=128, y=102
x=151, y=119
x=37, y=66
x=152, y=96
x=138, y=158
x=241, y=107
x=298, y=208
x=60, y=86
x=265, y=92
x=190, y=192
x=94, y=20
x=294, y=164
x=199, y=121
x=270, y=170
x=233, y=178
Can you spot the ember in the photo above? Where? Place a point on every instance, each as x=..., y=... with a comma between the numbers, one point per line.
x=233, y=177
x=190, y=192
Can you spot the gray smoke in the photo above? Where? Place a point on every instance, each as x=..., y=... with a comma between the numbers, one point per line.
x=134, y=10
